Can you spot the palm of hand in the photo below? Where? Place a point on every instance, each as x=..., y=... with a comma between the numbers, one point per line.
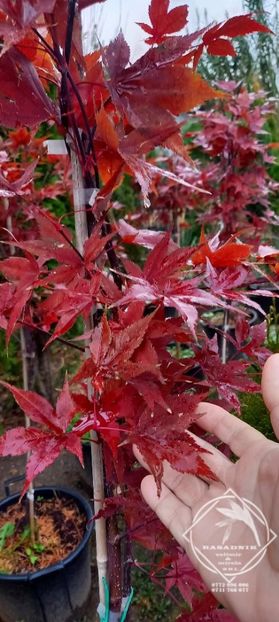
x=255, y=476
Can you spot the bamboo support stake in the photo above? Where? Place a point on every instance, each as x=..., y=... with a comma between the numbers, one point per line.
x=176, y=238
x=224, y=336
x=25, y=379
x=96, y=448
x=25, y=376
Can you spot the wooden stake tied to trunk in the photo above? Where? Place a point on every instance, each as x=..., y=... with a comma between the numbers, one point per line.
x=96, y=447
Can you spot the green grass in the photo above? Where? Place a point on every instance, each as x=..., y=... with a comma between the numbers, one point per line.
x=255, y=413
x=150, y=603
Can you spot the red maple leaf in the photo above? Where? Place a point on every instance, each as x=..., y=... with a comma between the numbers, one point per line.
x=227, y=283
x=225, y=256
x=185, y=577
x=6, y=300
x=101, y=420
x=164, y=21
x=83, y=4
x=143, y=525
x=205, y=609
x=12, y=188
x=17, y=16
x=238, y=26
x=250, y=340
x=28, y=105
x=162, y=435
x=143, y=237
x=214, y=40
x=221, y=47
x=113, y=353
x=55, y=242
x=227, y=378
x=45, y=443
x=159, y=281
x=23, y=272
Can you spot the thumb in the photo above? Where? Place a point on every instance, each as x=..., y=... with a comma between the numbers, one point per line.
x=270, y=389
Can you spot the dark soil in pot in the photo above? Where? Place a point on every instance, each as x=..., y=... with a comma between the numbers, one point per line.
x=59, y=590
x=60, y=527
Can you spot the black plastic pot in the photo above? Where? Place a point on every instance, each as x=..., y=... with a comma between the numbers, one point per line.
x=58, y=593
x=169, y=311
x=265, y=302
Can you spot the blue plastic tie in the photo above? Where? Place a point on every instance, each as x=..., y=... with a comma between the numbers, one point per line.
x=106, y=616
x=127, y=605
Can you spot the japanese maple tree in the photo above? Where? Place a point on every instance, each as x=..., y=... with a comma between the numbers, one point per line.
x=233, y=157
x=237, y=172
x=130, y=387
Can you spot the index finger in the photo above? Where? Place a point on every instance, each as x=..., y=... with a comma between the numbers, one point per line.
x=228, y=428
x=270, y=386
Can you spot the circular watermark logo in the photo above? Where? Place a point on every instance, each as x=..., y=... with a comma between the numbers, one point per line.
x=229, y=536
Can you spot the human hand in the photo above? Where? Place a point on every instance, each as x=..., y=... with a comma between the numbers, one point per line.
x=255, y=476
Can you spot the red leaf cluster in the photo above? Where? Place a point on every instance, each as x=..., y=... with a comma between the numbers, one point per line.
x=45, y=443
